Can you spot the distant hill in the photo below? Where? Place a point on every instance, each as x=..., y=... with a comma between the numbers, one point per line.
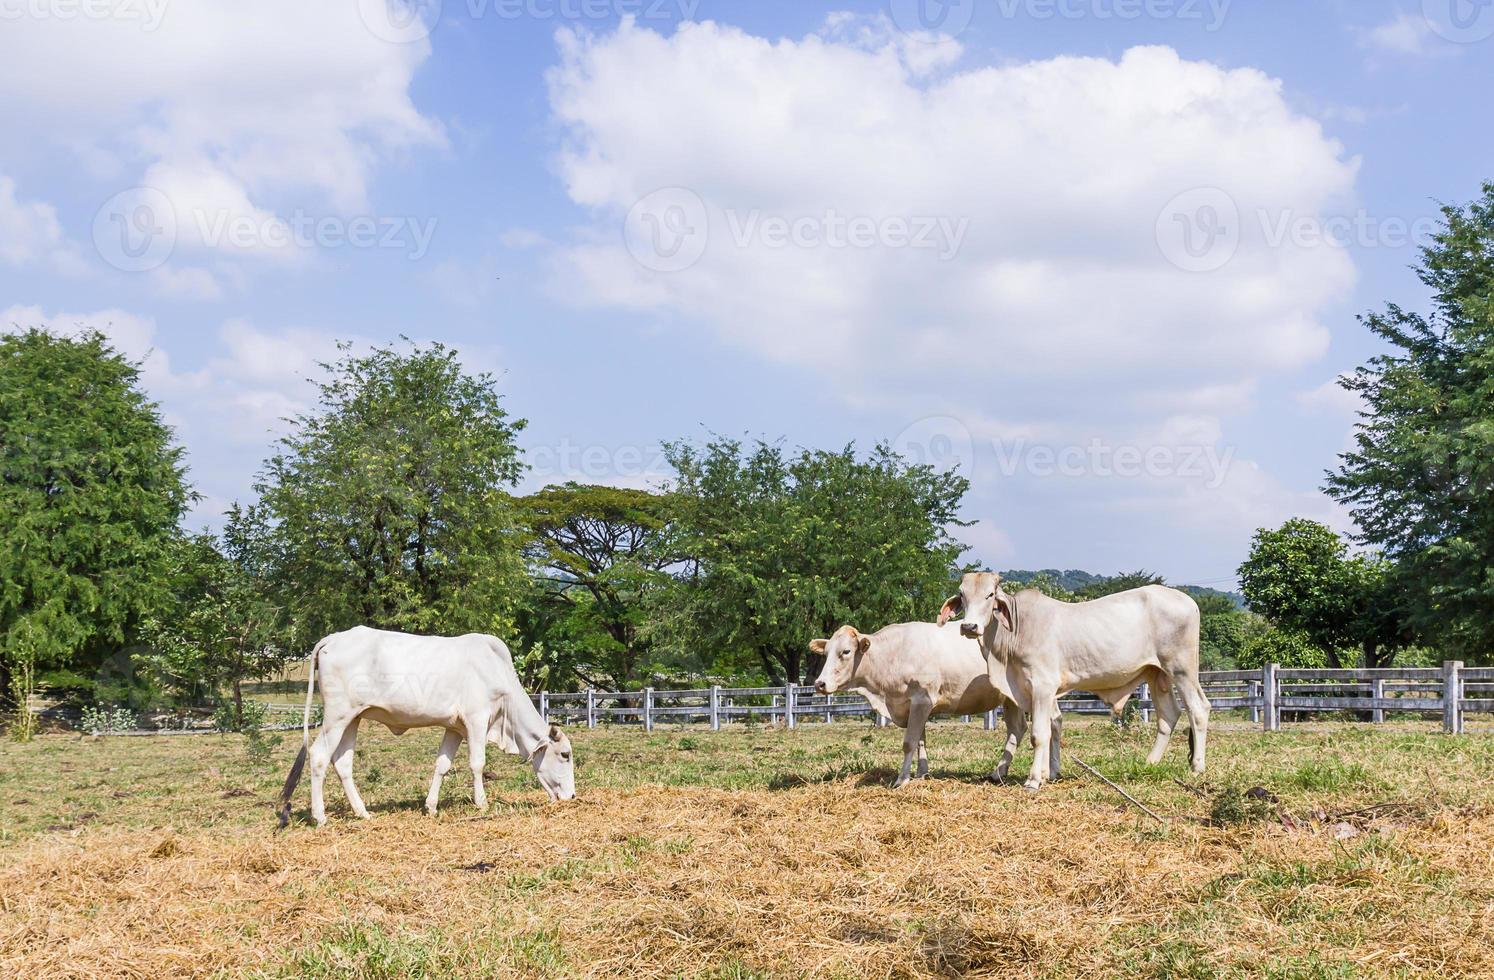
x=1074, y=580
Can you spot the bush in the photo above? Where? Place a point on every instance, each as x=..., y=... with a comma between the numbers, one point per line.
x=251, y=719
x=111, y=720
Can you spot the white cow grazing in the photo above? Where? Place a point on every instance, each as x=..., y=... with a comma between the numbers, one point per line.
x=464, y=684
x=1042, y=647
x=909, y=671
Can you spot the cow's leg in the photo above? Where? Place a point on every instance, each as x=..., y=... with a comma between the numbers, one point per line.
x=918, y=716
x=444, y=754
x=1197, y=703
x=477, y=746
x=1044, y=707
x=1016, y=727
x=1053, y=747
x=923, y=757
x=342, y=761
x=318, y=758
x=1167, y=718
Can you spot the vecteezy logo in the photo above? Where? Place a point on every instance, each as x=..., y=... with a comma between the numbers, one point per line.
x=926, y=18
x=1460, y=21
x=135, y=230
x=1199, y=229
x=399, y=21
x=940, y=441
x=667, y=231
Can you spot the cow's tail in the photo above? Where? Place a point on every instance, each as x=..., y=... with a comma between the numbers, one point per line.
x=300, y=764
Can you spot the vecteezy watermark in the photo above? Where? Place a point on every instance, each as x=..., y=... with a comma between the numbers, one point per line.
x=1097, y=458
x=932, y=18
x=594, y=463
x=148, y=13
x=407, y=21
x=138, y=229
x=135, y=230
x=940, y=441
x=1460, y=21
x=945, y=443
x=1200, y=229
x=669, y=229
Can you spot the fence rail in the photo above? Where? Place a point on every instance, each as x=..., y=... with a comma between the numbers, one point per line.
x=1271, y=695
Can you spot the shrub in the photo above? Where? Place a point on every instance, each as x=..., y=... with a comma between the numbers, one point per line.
x=110, y=720
x=250, y=719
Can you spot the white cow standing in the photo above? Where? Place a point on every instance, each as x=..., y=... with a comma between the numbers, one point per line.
x=1041, y=647
x=464, y=684
x=909, y=671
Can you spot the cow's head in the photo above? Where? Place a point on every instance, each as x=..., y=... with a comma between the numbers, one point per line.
x=554, y=766
x=982, y=602
x=842, y=653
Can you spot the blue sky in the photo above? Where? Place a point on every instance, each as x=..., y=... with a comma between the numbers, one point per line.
x=1105, y=255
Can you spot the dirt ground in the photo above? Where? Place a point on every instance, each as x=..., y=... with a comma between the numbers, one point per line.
x=1336, y=851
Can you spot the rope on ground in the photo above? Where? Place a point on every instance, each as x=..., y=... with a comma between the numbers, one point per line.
x=1134, y=801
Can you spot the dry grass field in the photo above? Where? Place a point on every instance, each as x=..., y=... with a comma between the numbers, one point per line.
x=758, y=853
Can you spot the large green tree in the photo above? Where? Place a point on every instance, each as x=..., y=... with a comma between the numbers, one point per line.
x=1302, y=578
x=1420, y=481
x=598, y=553
x=390, y=505
x=91, y=490
x=787, y=547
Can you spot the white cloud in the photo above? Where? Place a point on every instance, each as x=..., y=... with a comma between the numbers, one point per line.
x=130, y=334
x=1062, y=168
x=1404, y=34
x=1331, y=398
x=30, y=234
x=227, y=108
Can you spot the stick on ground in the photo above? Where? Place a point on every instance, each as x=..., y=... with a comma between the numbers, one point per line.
x=1134, y=801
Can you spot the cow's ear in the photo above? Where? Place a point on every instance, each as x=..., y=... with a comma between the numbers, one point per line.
x=818, y=646
x=863, y=643
x=555, y=733
x=953, y=606
x=1004, y=609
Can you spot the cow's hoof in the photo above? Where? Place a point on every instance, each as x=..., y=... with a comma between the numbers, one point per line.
x=321, y=823
x=430, y=811
x=898, y=783
x=1031, y=786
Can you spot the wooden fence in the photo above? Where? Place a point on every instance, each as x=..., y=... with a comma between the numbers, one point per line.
x=1270, y=695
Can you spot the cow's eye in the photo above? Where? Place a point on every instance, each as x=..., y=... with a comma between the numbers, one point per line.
x=845, y=653
x=565, y=757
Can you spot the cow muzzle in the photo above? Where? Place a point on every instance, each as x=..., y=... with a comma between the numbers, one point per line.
x=819, y=687
x=970, y=631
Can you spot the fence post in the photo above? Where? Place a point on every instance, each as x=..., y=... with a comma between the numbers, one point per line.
x=591, y=707
x=545, y=705
x=1377, y=691
x=1272, y=710
x=882, y=721
x=715, y=707
x=991, y=720
x=648, y=709
x=788, y=704
x=1253, y=691
x=1452, y=697
x=1145, y=697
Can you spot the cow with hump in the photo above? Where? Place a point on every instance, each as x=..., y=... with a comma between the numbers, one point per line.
x=463, y=684
x=1037, y=648
x=909, y=671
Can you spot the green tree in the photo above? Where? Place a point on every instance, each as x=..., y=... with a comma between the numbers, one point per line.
x=226, y=626
x=1420, y=481
x=785, y=548
x=390, y=506
x=91, y=490
x=598, y=554
x=1117, y=583
x=1302, y=578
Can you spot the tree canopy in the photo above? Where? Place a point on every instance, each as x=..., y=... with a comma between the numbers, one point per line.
x=390, y=505
x=785, y=546
x=1419, y=479
x=92, y=488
